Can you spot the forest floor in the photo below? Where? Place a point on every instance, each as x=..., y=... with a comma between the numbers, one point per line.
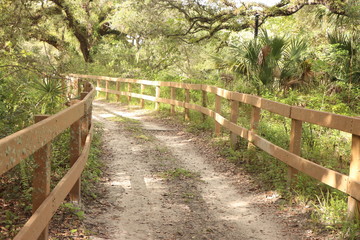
x=161, y=182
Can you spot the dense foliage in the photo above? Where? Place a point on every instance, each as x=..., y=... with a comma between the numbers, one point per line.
x=307, y=53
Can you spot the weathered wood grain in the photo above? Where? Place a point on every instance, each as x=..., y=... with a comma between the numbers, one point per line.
x=25, y=142
x=38, y=221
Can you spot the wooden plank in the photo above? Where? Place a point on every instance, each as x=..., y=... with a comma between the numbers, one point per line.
x=148, y=82
x=192, y=86
x=233, y=118
x=189, y=105
x=25, y=142
x=145, y=82
x=295, y=147
x=354, y=174
x=275, y=107
x=165, y=84
x=110, y=91
x=113, y=79
x=325, y=119
x=209, y=89
x=41, y=178
x=217, y=110
x=225, y=93
x=216, y=90
x=170, y=101
x=177, y=85
x=247, y=98
x=238, y=130
x=204, y=110
x=38, y=221
x=332, y=178
x=327, y=176
x=147, y=97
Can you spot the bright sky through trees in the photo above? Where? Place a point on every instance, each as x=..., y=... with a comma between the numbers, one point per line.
x=267, y=2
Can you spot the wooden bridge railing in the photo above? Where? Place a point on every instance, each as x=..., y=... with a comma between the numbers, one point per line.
x=347, y=184
x=35, y=140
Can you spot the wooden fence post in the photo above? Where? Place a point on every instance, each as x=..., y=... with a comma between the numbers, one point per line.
x=84, y=122
x=295, y=147
x=129, y=91
x=233, y=118
x=97, y=86
x=173, y=97
x=204, y=103
x=142, y=89
x=217, y=110
x=78, y=83
x=75, y=151
x=187, y=100
x=69, y=86
x=75, y=87
x=118, y=90
x=87, y=87
x=157, y=95
x=354, y=174
x=64, y=86
x=41, y=177
x=254, y=122
x=107, y=88
x=79, y=131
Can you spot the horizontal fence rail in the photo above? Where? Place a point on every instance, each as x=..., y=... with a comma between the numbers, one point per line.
x=35, y=141
x=347, y=184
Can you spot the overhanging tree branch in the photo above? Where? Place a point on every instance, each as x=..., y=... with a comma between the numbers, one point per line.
x=227, y=15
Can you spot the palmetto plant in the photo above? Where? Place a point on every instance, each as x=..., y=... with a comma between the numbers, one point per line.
x=274, y=62
x=50, y=94
x=296, y=70
x=350, y=44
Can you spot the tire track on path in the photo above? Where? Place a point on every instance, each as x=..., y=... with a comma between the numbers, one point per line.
x=138, y=204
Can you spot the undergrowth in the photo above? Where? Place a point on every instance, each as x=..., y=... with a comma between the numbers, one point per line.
x=326, y=147
x=15, y=186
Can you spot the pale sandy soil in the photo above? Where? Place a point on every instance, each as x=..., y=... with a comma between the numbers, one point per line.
x=140, y=202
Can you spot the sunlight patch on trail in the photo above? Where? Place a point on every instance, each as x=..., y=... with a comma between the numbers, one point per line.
x=106, y=115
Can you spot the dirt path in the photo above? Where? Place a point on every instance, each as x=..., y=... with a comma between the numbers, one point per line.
x=160, y=186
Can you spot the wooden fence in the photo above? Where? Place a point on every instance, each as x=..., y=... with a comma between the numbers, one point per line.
x=347, y=184
x=36, y=140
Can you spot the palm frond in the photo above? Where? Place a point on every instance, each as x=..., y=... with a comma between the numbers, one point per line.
x=342, y=40
x=295, y=49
